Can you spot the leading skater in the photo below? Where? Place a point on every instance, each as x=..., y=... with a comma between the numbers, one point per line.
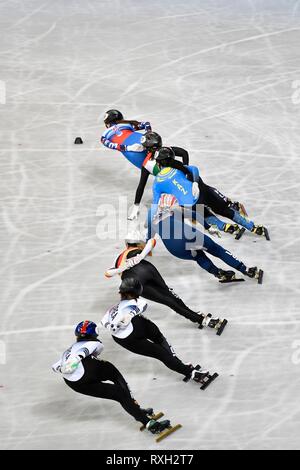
x=84, y=373
x=125, y=136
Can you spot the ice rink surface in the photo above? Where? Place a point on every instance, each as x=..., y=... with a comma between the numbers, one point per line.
x=220, y=78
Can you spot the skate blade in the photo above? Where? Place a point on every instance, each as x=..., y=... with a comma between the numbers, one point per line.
x=167, y=432
x=222, y=327
x=260, y=277
x=240, y=234
x=155, y=417
x=267, y=235
x=231, y=281
x=209, y=381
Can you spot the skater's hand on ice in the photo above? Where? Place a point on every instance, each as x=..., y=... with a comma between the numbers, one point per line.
x=135, y=148
x=71, y=365
x=133, y=212
x=195, y=190
x=213, y=230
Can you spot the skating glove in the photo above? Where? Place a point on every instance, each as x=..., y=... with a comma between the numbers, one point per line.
x=213, y=230
x=167, y=201
x=133, y=212
x=195, y=190
x=130, y=263
x=71, y=365
x=135, y=148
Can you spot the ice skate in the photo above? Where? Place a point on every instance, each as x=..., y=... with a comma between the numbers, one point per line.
x=216, y=323
x=231, y=228
x=148, y=411
x=261, y=231
x=235, y=229
x=202, y=376
x=162, y=428
x=226, y=277
x=198, y=375
x=255, y=273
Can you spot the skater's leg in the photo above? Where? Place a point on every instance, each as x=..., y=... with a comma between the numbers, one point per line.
x=219, y=204
x=205, y=263
x=117, y=391
x=218, y=251
x=164, y=296
x=212, y=219
x=147, y=340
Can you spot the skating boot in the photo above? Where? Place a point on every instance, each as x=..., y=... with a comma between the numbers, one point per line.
x=227, y=276
x=261, y=231
x=255, y=273
x=231, y=228
x=202, y=376
x=198, y=375
x=215, y=323
x=148, y=411
x=162, y=428
x=157, y=427
x=235, y=229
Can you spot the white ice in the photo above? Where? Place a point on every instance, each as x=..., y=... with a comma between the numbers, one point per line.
x=220, y=78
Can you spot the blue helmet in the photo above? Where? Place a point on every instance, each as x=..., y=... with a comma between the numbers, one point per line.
x=86, y=329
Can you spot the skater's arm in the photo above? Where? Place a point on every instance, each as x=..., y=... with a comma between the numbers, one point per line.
x=141, y=187
x=113, y=146
x=150, y=245
x=90, y=348
x=131, y=262
x=115, y=319
x=57, y=367
x=144, y=125
x=182, y=153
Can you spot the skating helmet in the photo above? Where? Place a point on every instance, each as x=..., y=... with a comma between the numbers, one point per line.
x=151, y=140
x=131, y=286
x=164, y=155
x=111, y=116
x=86, y=329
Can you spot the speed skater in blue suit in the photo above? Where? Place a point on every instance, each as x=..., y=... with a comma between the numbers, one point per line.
x=185, y=239
x=185, y=183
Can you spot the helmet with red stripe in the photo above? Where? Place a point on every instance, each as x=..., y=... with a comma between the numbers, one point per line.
x=86, y=329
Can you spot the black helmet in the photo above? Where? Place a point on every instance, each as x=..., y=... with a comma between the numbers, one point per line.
x=131, y=286
x=151, y=140
x=112, y=116
x=165, y=153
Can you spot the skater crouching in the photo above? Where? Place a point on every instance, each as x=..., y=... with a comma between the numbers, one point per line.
x=131, y=330
x=131, y=264
x=84, y=373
